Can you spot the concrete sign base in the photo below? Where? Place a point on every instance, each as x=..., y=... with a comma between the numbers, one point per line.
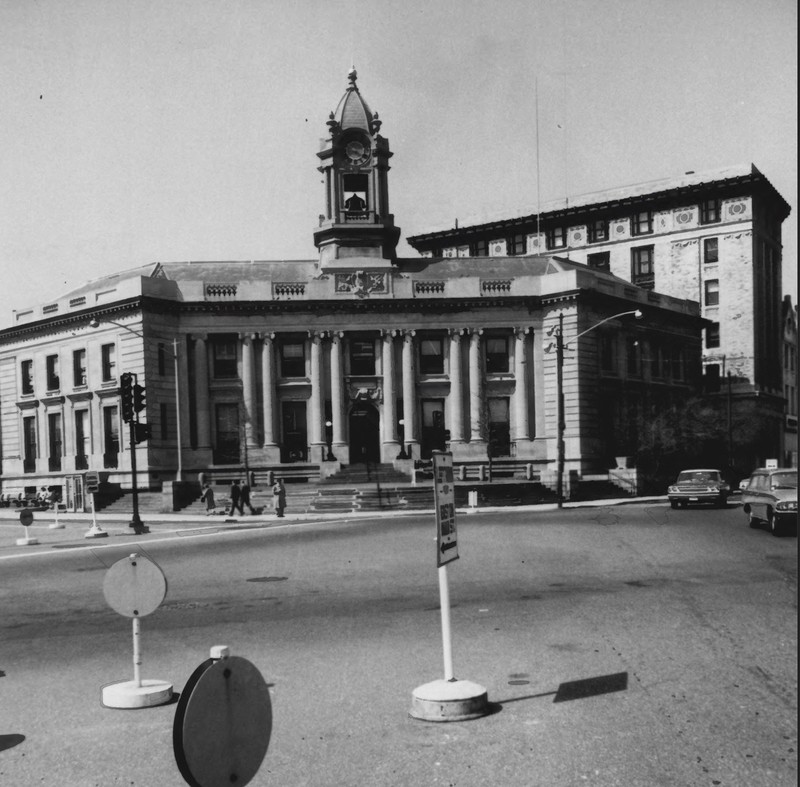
x=130, y=694
x=449, y=700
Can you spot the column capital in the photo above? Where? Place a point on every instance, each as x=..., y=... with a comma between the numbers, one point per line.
x=520, y=331
x=248, y=336
x=456, y=332
x=388, y=333
x=317, y=336
x=408, y=334
x=474, y=331
x=199, y=337
x=268, y=336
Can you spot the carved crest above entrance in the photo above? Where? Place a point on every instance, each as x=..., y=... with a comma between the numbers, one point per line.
x=365, y=393
x=362, y=283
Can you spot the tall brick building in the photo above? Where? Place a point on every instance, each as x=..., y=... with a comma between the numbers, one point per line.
x=712, y=237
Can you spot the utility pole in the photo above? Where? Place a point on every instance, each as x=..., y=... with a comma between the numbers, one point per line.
x=561, y=424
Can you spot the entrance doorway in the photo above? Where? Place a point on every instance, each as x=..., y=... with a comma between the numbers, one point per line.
x=227, y=450
x=433, y=433
x=294, y=447
x=74, y=498
x=364, y=433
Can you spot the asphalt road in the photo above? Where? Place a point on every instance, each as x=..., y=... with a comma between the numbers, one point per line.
x=633, y=646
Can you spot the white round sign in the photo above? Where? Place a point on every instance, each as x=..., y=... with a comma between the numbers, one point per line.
x=134, y=586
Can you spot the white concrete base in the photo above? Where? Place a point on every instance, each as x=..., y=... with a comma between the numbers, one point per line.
x=128, y=695
x=27, y=541
x=55, y=526
x=449, y=700
x=96, y=532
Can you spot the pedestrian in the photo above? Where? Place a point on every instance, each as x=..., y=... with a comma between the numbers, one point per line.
x=208, y=497
x=279, y=497
x=236, y=499
x=245, y=497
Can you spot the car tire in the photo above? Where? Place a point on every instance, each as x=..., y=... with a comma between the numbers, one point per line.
x=753, y=520
x=673, y=503
x=774, y=524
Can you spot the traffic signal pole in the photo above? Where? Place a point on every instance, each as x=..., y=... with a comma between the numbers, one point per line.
x=132, y=396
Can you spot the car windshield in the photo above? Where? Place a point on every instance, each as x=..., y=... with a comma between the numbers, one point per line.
x=698, y=477
x=784, y=481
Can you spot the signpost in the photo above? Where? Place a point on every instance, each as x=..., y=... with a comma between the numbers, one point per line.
x=223, y=722
x=134, y=587
x=26, y=520
x=91, y=482
x=449, y=699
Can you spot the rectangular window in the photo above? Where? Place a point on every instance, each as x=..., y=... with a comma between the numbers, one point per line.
x=108, y=354
x=29, y=444
x=431, y=356
x=293, y=359
x=600, y=261
x=556, y=238
x=26, y=377
x=81, y=439
x=479, y=248
x=362, y=356
x=642, y=268
x=712, y=292
x=711, y=250
x=79, y=368
x=499, y=431
x=642, y=223
x=608, y=355
x=224, y=358
x=110, y=436
x=598, y=231
x=496, y=354
x=53, y=379
x=56, y=441
x=517, y=244
x=709, y=211
x=633, y=357
x=712, y=336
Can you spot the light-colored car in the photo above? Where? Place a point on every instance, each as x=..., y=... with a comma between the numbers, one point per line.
x=700, y=485
x=771, y=497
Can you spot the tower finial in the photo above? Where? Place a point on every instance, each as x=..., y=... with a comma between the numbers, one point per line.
x=352, y=75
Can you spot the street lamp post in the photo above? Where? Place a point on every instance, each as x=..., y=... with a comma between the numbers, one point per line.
x=560, y=346
x=329, y=457
x=136, y=522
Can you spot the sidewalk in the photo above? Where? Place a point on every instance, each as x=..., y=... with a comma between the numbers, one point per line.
x=75, y=526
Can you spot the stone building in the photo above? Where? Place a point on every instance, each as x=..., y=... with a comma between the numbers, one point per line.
x=789, y=313
x=302, y=367
x=712, y=237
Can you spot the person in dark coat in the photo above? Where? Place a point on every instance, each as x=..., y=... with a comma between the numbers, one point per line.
x=245, y=497
x=208, y=498
x=236, y=499
x=279, y=497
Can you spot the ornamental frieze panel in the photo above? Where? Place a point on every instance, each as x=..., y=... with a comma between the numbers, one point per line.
x=365, y=393
x=362, y=283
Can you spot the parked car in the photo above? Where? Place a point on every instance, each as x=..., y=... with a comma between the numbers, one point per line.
x=771, y=497
x=701, y=485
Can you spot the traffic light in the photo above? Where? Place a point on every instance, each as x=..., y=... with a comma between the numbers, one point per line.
x=126, y=395
x=141, y=432
x=138, y=398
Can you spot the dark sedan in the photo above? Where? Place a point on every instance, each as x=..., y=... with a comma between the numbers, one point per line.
x=702, y=485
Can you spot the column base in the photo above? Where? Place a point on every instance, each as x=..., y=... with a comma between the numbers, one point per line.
x=449, y=700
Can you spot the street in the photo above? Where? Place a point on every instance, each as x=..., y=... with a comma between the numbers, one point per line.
x=623, y=645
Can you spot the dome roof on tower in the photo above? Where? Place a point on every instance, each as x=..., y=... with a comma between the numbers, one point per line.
x=352, y=111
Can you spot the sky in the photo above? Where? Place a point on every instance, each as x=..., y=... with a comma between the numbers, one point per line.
x=136, y=131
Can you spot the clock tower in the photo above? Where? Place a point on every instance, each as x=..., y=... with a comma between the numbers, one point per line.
x=356, y=230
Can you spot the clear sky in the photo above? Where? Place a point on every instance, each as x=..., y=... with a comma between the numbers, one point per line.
x=134, y=131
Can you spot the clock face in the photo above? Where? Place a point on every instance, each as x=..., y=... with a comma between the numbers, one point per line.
x=357, y=152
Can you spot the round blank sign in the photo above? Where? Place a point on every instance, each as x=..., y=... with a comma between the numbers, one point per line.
x=25, y=517
x=223, y=724
x=134, y=586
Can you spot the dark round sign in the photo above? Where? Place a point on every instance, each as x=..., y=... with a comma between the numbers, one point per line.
x=223, y=724
x=134, y=586
x=26, y=517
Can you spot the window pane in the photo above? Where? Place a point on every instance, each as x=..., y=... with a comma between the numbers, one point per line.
x=431, y=356
x=711, y=250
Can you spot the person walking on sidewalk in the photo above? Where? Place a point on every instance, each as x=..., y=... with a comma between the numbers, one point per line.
x=245, y=497
x=208, y=497
x=279, y=497
x=236, y=499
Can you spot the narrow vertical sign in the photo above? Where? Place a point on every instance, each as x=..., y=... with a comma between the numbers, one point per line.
x=444, y=496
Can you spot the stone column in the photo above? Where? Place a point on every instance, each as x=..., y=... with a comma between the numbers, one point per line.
x=183, y=390
x=68, y=435
x=268, y=388
x=315, y=403
x=522, y=426
x=456, y=399
x=337, y=391
x=249, y=389
x=391, y=446
x=476, y=407
x=409, y=394
x=202, y=402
